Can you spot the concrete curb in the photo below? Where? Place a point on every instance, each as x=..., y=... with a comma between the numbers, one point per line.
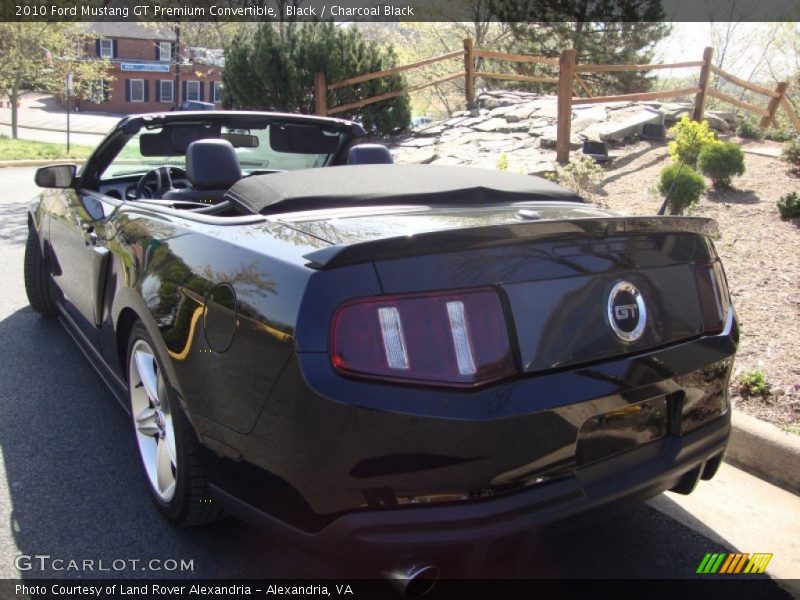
x=39, y=162
x=765, y=451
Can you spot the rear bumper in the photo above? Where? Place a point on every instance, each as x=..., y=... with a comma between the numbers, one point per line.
x=349, y=478
x=635, y=476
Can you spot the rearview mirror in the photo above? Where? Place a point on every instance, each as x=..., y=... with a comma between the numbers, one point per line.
x=55, y=176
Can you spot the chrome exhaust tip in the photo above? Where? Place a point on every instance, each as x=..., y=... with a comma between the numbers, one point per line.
x=412, y=578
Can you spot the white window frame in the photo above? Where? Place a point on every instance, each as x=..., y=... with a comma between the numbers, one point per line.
x=189, y=94
x=171, y=83
x=131, y=84
x=110, y=48
x=216, y=87
x=162, y=55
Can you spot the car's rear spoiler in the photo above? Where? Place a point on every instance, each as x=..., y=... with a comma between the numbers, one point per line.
x=482, y=237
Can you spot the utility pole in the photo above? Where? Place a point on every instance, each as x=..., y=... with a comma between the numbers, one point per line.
x=177, y=95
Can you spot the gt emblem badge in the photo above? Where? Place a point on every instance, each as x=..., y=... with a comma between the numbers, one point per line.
x=626, y=311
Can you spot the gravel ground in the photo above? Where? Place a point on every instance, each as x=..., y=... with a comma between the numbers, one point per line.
x=761, y=257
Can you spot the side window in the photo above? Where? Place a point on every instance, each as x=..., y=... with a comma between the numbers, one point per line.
x=137, y=90
x=193, y=91
x=166, y=91
x=106, y=49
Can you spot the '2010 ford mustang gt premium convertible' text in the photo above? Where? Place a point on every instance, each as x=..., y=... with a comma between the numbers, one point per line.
x=396, y=359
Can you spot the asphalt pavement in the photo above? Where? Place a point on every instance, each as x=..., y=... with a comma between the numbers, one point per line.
x=71, y=486
x=41, y=120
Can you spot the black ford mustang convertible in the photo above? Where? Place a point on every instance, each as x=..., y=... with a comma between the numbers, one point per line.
x=391, y=359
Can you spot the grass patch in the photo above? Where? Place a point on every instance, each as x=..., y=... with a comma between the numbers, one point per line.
x=27, y=150
x=789, y=428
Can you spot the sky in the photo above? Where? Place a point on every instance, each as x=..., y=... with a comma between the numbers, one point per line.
x=688, y=40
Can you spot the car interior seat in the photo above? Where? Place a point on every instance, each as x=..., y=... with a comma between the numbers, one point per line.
x=369, y=154
x=212, y=167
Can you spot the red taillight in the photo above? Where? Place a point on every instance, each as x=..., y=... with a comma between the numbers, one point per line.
x=448, y=338
x=714, y=297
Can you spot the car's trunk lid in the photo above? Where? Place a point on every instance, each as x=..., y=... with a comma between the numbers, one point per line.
x=559, y=271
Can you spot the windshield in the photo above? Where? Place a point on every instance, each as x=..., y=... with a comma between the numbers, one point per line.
x=255, y=148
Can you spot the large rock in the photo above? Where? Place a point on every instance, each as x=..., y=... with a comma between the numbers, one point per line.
x=455, y=134
x=730, y=117
x=514, y=127
x=418, y=142
x=455, y=121
x=716, y=122
x=540, y=127
x=496, y=98
x=431, y=130
x=448, y=161
x=550, y=139
x=673, y=111
x=492, y=145
x=676, y=116
x=421, y=156
x=492, y=103
x=490, y=124
x=623, y=125
x=581, y=123
x=472, y=121
x=590, y=111
x=501, y=110
x=523, y=125
x=478, y=136
x=548, y=111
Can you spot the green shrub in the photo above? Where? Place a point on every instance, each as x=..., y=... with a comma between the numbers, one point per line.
x=690, y=138
x=783, y=134
x=754, y=384
x=748, y=129
x=502, y=162
x=791, y=153
x=721, y=162
x=689, y=184
x=789, y=206
x=582, y=175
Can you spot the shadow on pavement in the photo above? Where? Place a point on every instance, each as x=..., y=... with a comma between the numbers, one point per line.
x=74, y=480
x=14, y=225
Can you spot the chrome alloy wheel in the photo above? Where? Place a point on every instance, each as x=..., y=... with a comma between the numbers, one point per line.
x=152, y=420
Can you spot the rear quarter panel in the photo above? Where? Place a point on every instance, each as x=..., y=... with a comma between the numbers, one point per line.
x=220, y=302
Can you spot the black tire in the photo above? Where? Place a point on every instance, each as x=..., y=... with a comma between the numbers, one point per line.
x=192, y=503
x=38, y=283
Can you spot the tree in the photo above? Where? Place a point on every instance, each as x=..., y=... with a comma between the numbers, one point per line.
x=37, y=56
x=601, y=32
x=274, y=69
x=416, y=41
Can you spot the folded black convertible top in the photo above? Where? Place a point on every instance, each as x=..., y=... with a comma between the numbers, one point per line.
x=353, y=185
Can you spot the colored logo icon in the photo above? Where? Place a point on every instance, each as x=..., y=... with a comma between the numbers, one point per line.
x=733, y=564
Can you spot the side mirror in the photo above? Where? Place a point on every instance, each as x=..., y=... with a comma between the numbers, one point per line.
x=55, y=176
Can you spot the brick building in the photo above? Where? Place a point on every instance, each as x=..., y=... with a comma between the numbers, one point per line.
x=149, y=71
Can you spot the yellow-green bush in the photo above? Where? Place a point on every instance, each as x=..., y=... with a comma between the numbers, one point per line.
x=690, y=138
